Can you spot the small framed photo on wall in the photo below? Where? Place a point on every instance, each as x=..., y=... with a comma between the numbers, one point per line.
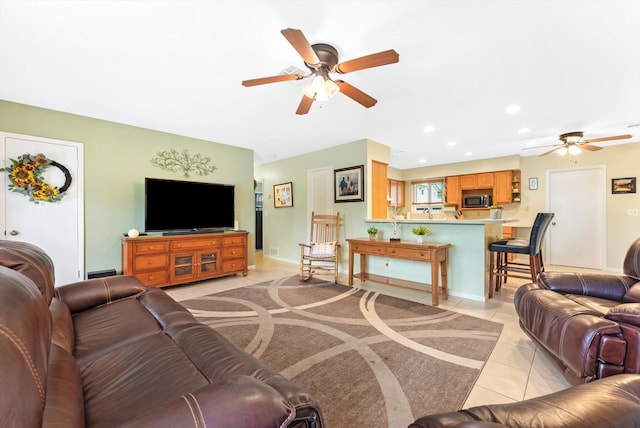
x=349, y=184
x=623, y=185
x=533, y=183
x=283, y=195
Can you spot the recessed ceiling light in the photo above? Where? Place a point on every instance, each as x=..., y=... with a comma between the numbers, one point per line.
x=512, y=109
x=422, y=160
x=451, y=143
x=523, y=130
x=468, y=153
x=428, y=129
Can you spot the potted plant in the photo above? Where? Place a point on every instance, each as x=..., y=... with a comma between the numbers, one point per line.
x=373, y=232
x=495, y=211
x=420, y=231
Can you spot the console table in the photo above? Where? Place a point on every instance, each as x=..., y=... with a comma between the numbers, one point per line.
x=430, y=252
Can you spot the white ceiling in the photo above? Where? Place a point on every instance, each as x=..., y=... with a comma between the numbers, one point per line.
x=176, y=66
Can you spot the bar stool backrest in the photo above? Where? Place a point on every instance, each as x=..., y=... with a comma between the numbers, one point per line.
x=538, y=230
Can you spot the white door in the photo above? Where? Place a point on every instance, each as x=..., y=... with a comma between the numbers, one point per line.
x=319, y=192
x=55, y=227
x=576, y=235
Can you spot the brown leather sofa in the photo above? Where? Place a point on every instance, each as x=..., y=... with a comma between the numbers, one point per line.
x=110, y=352
x=613, y=402
x=588, y=324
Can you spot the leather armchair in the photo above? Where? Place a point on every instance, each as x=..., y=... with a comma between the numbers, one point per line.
x=589, y=324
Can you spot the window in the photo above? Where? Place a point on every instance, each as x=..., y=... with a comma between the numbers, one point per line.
x=427, y=195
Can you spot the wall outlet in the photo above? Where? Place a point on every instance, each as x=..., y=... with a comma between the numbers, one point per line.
x=527, y=207
x=632, y=211
x=386, y=263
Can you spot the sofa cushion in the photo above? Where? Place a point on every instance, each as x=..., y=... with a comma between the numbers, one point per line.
x=32, y=262
x=24, y=350
x=631, y=263
x=611, y=287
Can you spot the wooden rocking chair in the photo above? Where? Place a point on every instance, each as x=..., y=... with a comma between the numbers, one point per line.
x=321, y=254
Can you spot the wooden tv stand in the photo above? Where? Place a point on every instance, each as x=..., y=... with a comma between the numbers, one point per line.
x=160, y=261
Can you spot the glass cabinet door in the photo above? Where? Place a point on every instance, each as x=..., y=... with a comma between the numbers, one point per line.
x=208, y=262
x=182, y=266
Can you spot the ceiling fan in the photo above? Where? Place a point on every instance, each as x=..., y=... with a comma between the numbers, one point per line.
x=322, y=59
x=572, y=142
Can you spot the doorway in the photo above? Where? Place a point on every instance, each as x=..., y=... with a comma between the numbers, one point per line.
x=319, y=192
x=58, y=227
x=577, y=197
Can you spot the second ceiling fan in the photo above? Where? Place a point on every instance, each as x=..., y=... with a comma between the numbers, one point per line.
x=322, y=59
x=572, y=142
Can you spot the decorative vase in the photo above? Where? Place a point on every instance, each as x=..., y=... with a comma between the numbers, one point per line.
x=420, y=239
x=372, y=236
x=495, y=214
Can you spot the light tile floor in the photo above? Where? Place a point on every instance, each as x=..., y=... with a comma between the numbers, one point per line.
x=516, y=369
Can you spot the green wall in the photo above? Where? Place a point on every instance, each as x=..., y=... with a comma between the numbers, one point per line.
x=285, y=228
x=116, y=161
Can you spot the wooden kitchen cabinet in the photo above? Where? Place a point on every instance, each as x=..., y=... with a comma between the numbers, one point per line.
x=468, y=182
x=159, y=261
x=502, y=189
x=453, y=195
x=485, y=180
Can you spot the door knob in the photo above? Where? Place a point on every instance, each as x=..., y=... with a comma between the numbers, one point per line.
x=553, y=223
x=14, y=233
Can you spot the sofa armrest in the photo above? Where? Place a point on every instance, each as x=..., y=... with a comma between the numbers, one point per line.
x=83, y=295
x=604, y=286
x=628, y=313
x=239, y=401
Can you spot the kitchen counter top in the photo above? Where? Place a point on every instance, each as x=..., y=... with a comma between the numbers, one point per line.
x=448, y=221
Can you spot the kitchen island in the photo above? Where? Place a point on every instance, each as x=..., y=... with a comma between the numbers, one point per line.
x=468, y=257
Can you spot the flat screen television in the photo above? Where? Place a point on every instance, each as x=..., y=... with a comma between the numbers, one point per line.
x=173, y=206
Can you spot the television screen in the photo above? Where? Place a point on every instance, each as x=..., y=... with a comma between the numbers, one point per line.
x=173, y=205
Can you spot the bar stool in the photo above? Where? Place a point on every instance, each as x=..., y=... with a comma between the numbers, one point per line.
x=499, y=265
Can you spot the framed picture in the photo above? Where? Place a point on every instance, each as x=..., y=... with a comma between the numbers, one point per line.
x=623, y=185
x=283, y=195
x=348, y=184
x=533, y=183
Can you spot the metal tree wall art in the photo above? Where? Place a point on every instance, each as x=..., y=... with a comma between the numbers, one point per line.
x=174, y=161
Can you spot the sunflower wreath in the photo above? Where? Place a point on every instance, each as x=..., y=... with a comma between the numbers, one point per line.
x=25, y=174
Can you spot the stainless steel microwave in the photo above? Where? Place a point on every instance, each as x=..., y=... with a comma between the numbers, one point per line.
x=478, y=201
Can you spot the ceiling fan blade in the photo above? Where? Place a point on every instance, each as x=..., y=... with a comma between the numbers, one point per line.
x=301, y=45
x=615, y=137
x=369, y=61
x=305, y=105
x=356, y=94
x=272, y=79
x=589, y=147
x=550, y=151
x=541, y=147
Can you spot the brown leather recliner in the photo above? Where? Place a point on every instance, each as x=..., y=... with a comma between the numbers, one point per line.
x=110, y=352
x=613, y=402
x=588, y=324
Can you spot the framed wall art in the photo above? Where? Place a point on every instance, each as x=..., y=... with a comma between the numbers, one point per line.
x=623, y=185
x=533, y=183
x=349, y=184
x=283, y=195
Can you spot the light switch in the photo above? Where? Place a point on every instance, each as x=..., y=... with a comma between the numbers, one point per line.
x=632, y=211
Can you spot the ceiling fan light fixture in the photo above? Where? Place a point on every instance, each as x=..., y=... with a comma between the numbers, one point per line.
x=562, y=151
x=321, y=87
x=574, y=150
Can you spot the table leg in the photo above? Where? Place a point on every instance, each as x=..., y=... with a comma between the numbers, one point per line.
x=350, y=267
x=434, y=278
x=443, y=273
x=363, y=259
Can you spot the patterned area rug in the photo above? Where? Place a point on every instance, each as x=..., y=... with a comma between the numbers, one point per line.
x=370, y=360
